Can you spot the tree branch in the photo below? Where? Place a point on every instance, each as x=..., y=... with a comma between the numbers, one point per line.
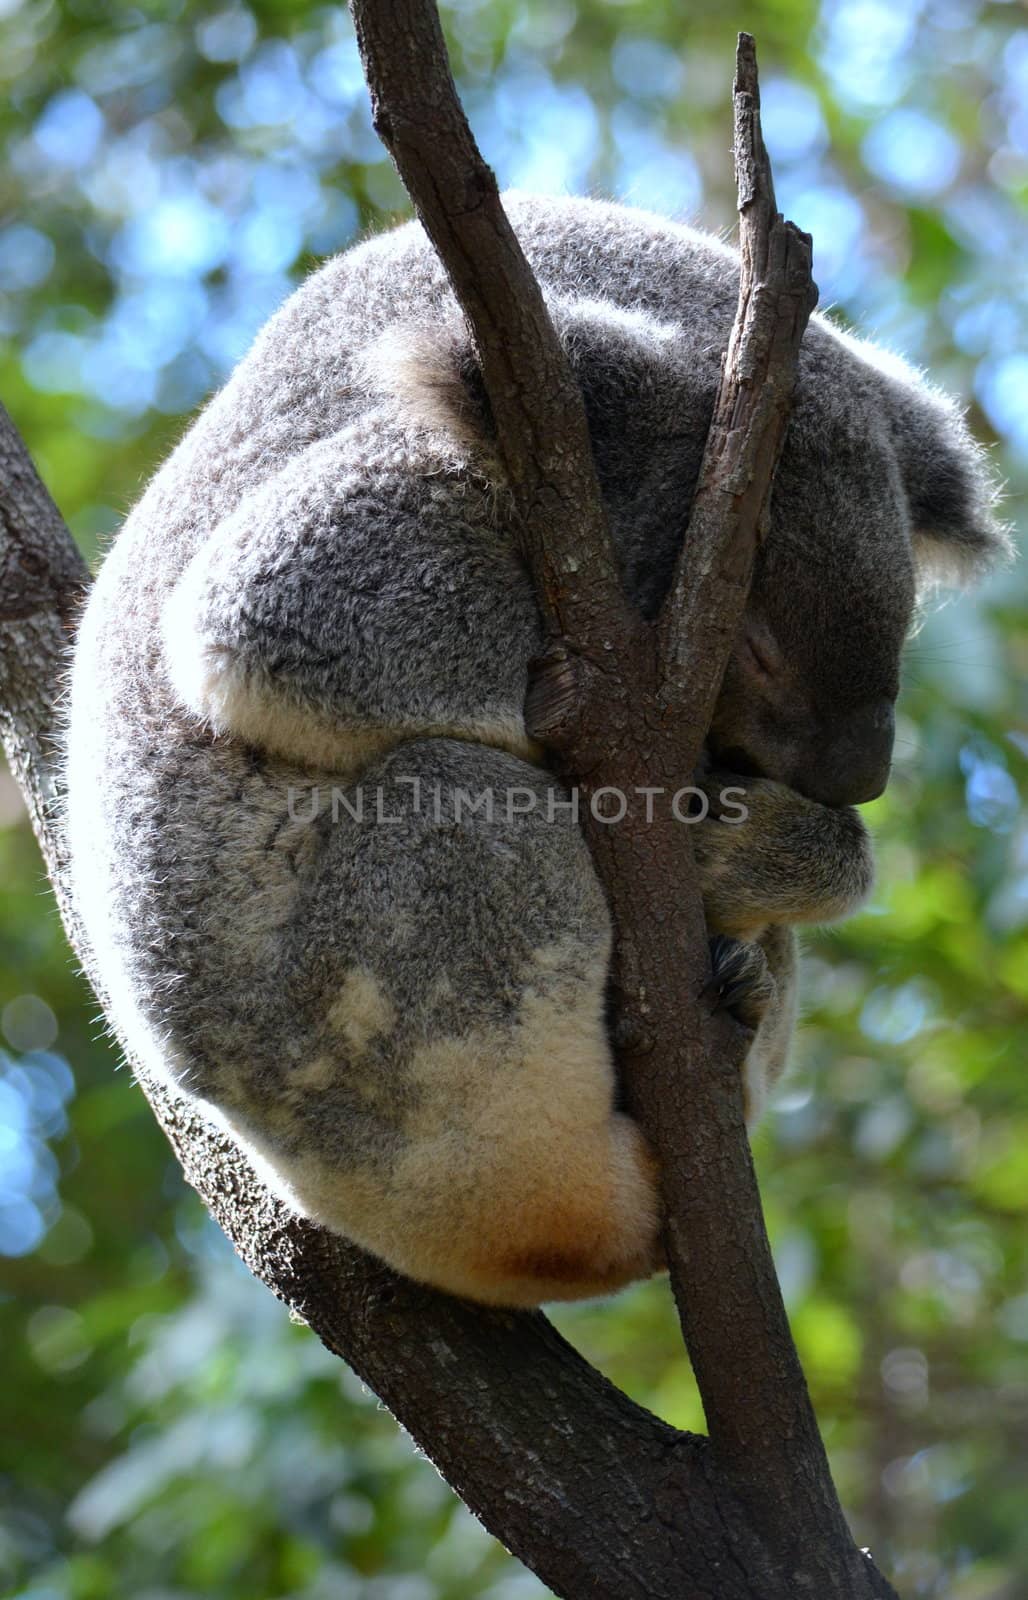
x=682, y=1066
x=777, y=293
x=638, y=715
x=536, y=402
x=593, y=1493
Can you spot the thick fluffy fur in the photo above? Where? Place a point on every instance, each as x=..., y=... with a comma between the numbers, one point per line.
x=400, y=1011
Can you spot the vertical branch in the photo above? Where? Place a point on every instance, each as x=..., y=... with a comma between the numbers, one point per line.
x=777, y=293
x=536, y=402
x=643, y=721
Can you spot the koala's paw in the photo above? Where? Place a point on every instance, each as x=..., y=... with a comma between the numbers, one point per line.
x=741, y=980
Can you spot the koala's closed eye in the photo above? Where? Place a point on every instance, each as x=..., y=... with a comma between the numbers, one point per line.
x=761, y=656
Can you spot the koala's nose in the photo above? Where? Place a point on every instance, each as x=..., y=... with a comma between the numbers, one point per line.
x=852, y=765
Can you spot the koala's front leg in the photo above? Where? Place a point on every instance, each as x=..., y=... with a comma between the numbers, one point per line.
x=787, y=860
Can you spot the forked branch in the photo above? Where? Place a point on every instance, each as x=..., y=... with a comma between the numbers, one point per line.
x=596, y=1495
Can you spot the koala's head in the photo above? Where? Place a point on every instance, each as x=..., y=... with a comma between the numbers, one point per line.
x=880, y=494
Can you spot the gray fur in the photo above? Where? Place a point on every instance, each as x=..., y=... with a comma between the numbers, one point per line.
x=319, y=588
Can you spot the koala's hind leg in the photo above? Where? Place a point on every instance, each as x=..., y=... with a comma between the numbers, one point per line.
x=463, y=1125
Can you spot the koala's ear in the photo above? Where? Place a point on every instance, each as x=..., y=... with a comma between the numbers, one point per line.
x=951, y=485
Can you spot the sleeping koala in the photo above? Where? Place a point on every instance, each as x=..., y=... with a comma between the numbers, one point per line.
x=304, y=663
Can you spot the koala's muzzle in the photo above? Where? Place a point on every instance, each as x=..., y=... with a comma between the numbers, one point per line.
x=851, y=765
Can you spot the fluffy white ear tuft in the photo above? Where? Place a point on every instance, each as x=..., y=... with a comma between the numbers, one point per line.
x=952, y=485
x=953, y=491
x=945, y=562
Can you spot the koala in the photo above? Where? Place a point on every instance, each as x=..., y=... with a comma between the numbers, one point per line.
x=304, y=663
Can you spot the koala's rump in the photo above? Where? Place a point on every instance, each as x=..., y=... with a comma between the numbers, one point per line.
x=376, y=997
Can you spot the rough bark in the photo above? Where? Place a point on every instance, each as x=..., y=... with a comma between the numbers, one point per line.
x=593, y=1493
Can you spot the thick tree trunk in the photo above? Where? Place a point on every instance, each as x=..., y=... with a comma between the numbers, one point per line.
x=593, y=1493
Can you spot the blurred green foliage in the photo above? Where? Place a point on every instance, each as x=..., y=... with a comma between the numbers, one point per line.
x=171, y=169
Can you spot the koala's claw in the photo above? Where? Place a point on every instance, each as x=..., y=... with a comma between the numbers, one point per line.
x=741, y=981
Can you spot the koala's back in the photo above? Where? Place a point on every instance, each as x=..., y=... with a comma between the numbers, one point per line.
x=304, y=379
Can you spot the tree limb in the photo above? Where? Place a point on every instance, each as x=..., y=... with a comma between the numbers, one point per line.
x=777, y=293
x=592, y=1492
x=641, y=719
x=537, y=405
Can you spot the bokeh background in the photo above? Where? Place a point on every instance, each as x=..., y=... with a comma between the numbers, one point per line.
x=170, y=171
